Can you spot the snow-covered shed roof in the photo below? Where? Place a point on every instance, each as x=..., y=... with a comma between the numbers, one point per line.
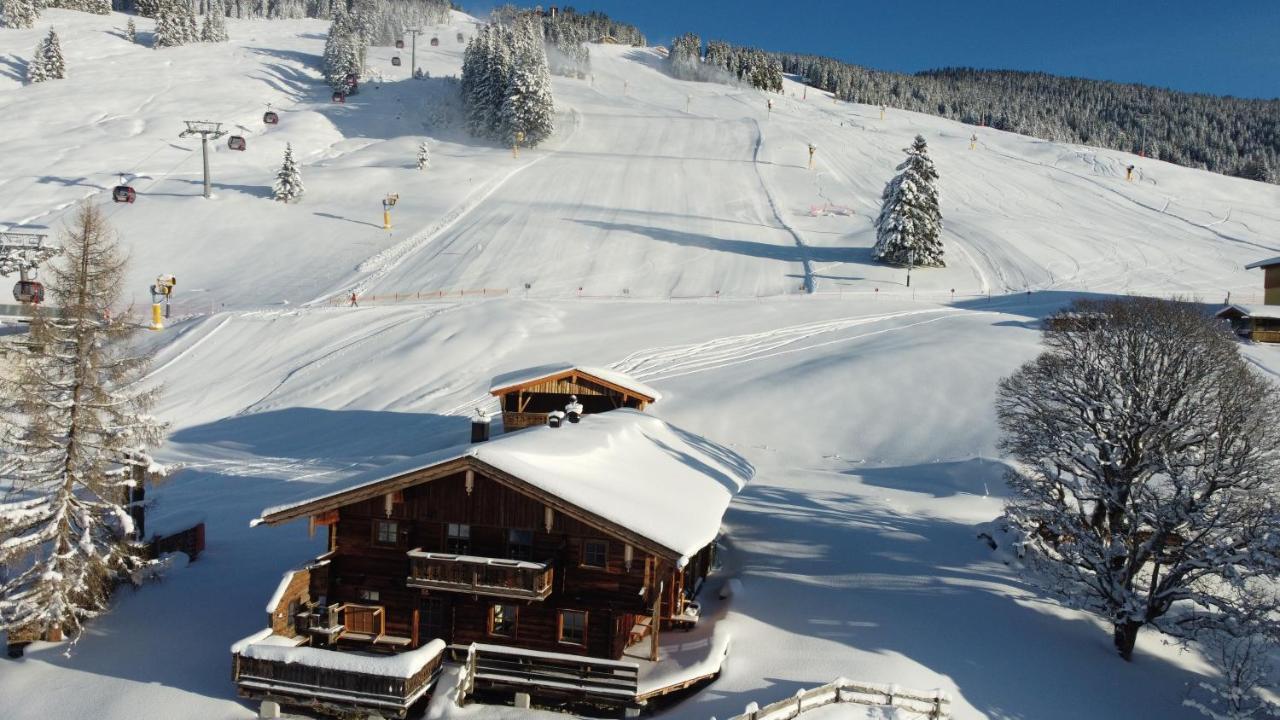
x=1268, y=312
x=529, y=376
x=1263, y=263
x=625, y=470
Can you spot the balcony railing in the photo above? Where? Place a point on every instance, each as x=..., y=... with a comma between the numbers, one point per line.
x=480, y=575
x=519, y=420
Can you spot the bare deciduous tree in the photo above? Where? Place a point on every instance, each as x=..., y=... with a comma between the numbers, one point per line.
x=1148, y=455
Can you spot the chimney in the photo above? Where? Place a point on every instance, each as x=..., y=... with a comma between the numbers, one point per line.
x=573, y=411
x=555, y=418
x=479, y=427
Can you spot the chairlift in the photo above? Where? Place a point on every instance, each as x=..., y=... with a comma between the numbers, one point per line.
x=435, y=41
x=399, y=44
x=236, y=142
x=270, y=118
x=396, y=61
x=28, y=291
x=123, y=193
x=339, y=97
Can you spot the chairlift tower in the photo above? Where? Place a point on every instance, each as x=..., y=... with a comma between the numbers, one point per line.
x=413, y=51
x=205, y=130
x=23, y=252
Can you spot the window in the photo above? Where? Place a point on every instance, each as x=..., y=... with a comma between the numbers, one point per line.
x=370, y=595
x=386, y=532
x=432, y=615
x=573, y=627
x=502, y=620
x=520, y=544
x=294, y=608
x=457, y=539
x=595, y=553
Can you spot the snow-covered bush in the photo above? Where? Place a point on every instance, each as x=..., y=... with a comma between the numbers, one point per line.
x=910, y=219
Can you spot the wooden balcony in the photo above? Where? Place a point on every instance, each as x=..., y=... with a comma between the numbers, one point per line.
x=1262, y=336
x=474, y=575
x=352, y=623
x=520, y=420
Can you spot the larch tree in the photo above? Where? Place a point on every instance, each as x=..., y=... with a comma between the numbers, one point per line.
x=21, y=13
x=288, y=184
x=910, y=219
x=1147, y=479
x=215, y=23
x=72, y=409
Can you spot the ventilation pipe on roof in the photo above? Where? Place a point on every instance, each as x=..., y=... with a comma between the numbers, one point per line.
x=555, y=418
x=573, y=411
x=480, y=427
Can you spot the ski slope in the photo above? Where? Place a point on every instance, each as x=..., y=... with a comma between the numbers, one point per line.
x=671, y=230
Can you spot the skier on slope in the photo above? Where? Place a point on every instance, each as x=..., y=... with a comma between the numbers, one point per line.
x=353, y=299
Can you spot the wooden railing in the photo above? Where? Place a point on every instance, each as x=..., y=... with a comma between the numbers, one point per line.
x=317, y=679
x=495, y=667
x=363, y=619
x=1266, y=336
x=934, y=705
x=520, y=420
x=480, y=575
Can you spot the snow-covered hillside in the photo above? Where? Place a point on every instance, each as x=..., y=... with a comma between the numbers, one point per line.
x=670, y=229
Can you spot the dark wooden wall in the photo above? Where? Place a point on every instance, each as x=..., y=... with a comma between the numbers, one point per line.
x=612, y=596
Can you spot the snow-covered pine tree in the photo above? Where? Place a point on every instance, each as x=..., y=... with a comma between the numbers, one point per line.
x=36, y=68
x=424, y=155
x=343, y=51
x=21, y=13
x=131, y=31
x=497, y=73
x=527, y=107
x=288, y=184
x=474, y=76
x=70, y=410
x=910, y=219
x=55, y=67
x=147, y=8
x=175, y=24
x=215, y=24
x=97, y=7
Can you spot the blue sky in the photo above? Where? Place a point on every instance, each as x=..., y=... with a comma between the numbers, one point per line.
x=1225, y=47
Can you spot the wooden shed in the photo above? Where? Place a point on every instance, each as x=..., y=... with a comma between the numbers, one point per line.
x=1260, y=323
x=528, y=396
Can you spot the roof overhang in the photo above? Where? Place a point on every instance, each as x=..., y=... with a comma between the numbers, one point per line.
x=616, y=381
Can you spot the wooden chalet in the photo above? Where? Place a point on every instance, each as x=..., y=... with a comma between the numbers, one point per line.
x=528, y=397
x=1270, y=279
x=550, y=548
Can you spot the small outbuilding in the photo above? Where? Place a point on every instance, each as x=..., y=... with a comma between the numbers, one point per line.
x=1270, y=280
x=529, y=396
x=1260, y=323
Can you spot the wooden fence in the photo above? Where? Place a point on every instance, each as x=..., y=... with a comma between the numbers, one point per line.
x=494, y=667
x=934, y=705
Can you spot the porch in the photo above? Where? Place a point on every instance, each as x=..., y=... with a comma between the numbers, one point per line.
x=273, y=667
x=474, y=575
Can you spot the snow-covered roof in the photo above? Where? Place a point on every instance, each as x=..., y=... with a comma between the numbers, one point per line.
x=634, y=470
x=1263, y=263
x=1269, y=312
x=533, y=374
x=278, y=596
x=260, y=646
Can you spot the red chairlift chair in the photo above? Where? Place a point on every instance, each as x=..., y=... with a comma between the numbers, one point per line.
x=28, y=291
x=236, y=143
x=123, y=193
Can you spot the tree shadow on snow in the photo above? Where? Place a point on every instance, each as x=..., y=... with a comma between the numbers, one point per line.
x=976, y=476
x=13, y=67
x=836, y=568
x=782, y=252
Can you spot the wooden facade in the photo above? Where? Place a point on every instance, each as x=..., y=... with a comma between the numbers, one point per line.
x=468, y=554
x=528, y=403
x=1260, y=324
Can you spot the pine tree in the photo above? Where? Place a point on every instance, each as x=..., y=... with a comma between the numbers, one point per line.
x=131, y=31
x=343, y=51
x=36, y=69
x=424, y=156
x=215, y=25
x=21, y=13
x=97, y=7
x=70, y=410
x=288, y=184
x=910, y=219
x=527, y=109
x=55, y=68
x=175, y=24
